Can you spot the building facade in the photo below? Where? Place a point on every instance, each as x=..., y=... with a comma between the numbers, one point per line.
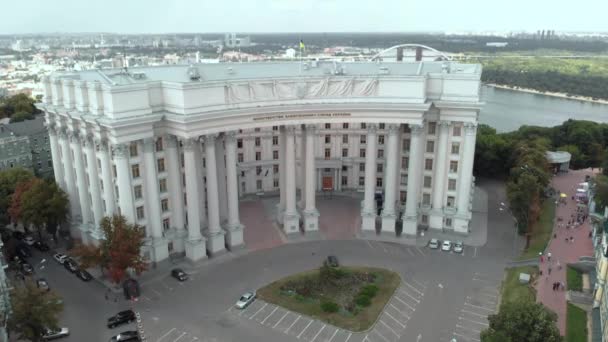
x=599, y=219
x=26, y=144
x=173, y=148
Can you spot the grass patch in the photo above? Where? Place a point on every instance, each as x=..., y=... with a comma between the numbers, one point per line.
x=363, y=281
x=574, y=279
x=576, y=324
x=513, y=291
x=541, y=231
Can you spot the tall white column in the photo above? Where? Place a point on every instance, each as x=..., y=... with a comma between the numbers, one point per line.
x=281, y=205
x=106, y=177
x=311, y=214
x=195, y=246
x=93, y=172
x=215, y=234
x=368, y=213
x=410, y=217
x=68, y=171
x=234, y=229
x=302, y=172
x=123, y=180
x=439, y=177
x=57, y=167
x=221, y=179
x=83, y=189
x=158, y=244
x=463, y=217
x=291, y=218
x=172, y=155
x=389, y=215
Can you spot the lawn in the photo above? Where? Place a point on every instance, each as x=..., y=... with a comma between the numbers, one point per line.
x=574, y=279
x=305, y=292
x=576, y=324
x=541, y=231
x=512, y=290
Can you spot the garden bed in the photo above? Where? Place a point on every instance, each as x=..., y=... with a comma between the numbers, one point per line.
x=350, y=298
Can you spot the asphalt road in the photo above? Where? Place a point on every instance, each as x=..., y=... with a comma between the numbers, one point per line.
x=454, y=295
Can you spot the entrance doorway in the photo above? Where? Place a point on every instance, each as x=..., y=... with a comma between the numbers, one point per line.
x=328, y=183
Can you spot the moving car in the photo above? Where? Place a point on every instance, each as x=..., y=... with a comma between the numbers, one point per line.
x=43, y=284
x=446, y=246
x=458, y=247
x=83, y=275
x=29, y=240
x=126, y=336
x=434, y=244
x=246, y=299
x=121, y=318
x=332, y=261
x=41, y=246
x=70, y=265
x=179, y=274
x=61, y=258
x=53, y=334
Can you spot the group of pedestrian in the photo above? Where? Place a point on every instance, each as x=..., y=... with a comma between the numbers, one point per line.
x=559, y=285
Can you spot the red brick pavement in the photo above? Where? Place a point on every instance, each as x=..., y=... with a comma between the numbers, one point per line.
x=562, y=251
x=260, y=232
x=340, y=217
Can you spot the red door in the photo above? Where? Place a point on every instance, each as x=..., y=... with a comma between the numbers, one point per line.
x=328, y=183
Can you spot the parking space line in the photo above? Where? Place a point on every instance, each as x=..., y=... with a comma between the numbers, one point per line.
x=419, y=250
x=394, y=319
x=365, y=338
x=409, y=295
x=379, y=334
x=280, y=320
x=348, y=338
x=466, y=337
x=292, y=324
x=479, y=307
x=410, y=251
x=245, y=309
x=275, y=309
x=257, y=312
x=301, y=332
x=404, y=303
x=318, y=332
x=369, y=244
x=180, y=336
x=165, y=335
x=419, y=283
x=488, y=295
x=157, y=293
x=472, y=321
x=399, y=311
x=468, y=328
x=413, y=288
x=334, y=335
x=389, y=328
x=474, y=313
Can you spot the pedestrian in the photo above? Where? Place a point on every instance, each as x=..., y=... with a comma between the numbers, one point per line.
x=542, y=259
x=549, y=270
x=559, y=266
x=563, y=286
x=549, y=256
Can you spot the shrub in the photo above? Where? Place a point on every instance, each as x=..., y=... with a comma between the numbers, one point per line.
x=299, y=298
x=369, y=290
x=328, y=306
x=363, y=300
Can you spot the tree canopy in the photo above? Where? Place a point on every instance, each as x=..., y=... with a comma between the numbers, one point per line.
x=34, y=311
x=19, y=107
x=8, y=183
x=522, y=321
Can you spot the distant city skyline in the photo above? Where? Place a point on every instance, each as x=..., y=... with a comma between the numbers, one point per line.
x=268, y=16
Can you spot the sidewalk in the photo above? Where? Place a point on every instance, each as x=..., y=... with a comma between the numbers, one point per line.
x=561, y=250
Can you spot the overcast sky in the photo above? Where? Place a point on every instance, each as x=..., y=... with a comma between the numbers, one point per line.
x=155, y=16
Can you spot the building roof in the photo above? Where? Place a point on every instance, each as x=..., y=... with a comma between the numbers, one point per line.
x=558, y=157
x=27, y=127
x=234, y=71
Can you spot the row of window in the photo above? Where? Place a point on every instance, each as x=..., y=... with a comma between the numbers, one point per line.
x=133, y=147
x=140, y=213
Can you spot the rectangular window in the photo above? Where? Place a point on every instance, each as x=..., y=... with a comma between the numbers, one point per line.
x=427, y=181
x=345, y=139
x=402, y=196
x=455, y=148
x=379, y=168
x=137, y=192
x=363, y=139
x=344, y=152
x=239, y=143
x=362, y=153
x=162, y=185
x=275, y=155
x=345, y=125
x=453, y=166
x=428, y=164
x=379, y=182
x=450, y=202
x=457, y=131
x=258, y=142
x=275, y=169
x=328, y=139
x=275, y=140
x=135, y=170
x=451, y=184
x=405, y=162
x=380, y=153
x=344, y=168
x=363, y=125
x=424, y=219
x=405, y=145
x=181, y=159
x=159, y=144
x=448, y=222
x=133, y=150
x=258, y=170
x=164, y=205
x=256, y=129
x=166, y=224
x=140, y=213
x=361, y=181
x=160, y=164
x=258, y=156
x=240, y=158
x=344, y=180
x=258, y=185
x=430, y=146
x=275, y=183
x=381, y=126
x=275, y=128
x=362, y=167
x=426, y=199
x=327, y=153
x=432, y=128
x=381, y=139
x=327, y=126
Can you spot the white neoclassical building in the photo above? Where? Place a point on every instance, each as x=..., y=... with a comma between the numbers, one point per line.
x=173, y=148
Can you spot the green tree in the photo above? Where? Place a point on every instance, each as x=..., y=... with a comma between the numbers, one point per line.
x=605, y=163
x=601, y=191
x=522, y=321
x=118, y=252
x=34, y=311
x=44, y=203
x=8, y=182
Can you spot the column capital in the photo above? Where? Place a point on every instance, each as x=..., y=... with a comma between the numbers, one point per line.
x=393, y=129
x=89, y=140
x=209, y=139
x=416, y=129
x=231, y=136
x=52, y=128
x=170, y=140
x=291, y=129
x=372, y=128
x=469, y=128
x=190, y=144
x=149, y=144
x=121, y=150
x=74, y=136
x=444, y=123
x=310, y=128
x=62, y=132
x=103, y=144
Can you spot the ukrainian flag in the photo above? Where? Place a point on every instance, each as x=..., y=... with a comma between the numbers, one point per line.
x=302, y=46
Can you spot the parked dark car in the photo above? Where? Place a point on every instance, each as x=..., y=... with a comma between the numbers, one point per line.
x=70, y=265
x=18, y=235
x=332, y=261
x=121, y=318
x=26, y=268
x=126, y=336
x=179, y=274
x=23, y=251
x=41, y=246
x=43, y=284
x=83, y=275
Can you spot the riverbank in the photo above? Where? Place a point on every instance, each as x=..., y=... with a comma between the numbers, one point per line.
x=560, y=95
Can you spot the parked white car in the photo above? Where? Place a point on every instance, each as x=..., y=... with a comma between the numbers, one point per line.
x=60, y=258
x=434, y=244
x=446, y=246
x=245, y=300
x=458, y=247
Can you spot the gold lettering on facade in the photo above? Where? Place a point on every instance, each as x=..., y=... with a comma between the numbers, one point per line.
x=299, y=116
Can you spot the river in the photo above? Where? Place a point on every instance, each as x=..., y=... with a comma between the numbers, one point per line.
x=507, y=110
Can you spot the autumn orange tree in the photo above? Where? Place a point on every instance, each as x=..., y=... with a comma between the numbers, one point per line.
x=118, y=251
